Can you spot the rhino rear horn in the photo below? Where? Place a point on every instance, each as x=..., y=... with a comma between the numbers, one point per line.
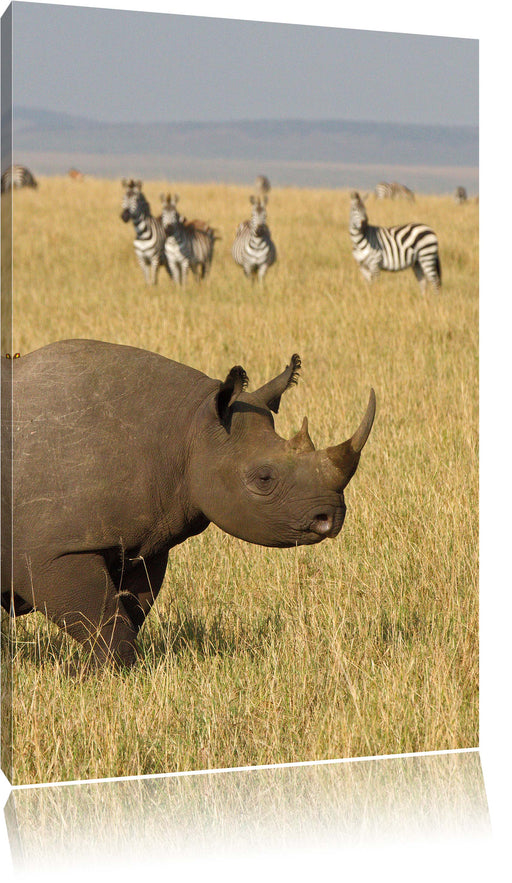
x=230, y=389
x=301, y=442
x=270, y=394
x=346, y=456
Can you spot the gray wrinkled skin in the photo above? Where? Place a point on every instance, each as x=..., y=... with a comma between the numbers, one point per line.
x=120, y=454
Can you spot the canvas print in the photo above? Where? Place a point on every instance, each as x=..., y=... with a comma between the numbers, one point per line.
x=240, y=394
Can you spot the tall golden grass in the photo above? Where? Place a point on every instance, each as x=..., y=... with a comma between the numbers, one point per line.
x=364, y=645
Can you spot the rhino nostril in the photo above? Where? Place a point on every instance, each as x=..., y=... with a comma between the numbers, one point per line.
x=322, y=524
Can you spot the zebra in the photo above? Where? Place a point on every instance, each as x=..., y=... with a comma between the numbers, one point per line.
x=393, y=248
x=262, y=185
x=150, y=233
x=188, y=244
x=460, y=195
x=253, y=248
x=383, y=190
x=394, y=190
x=17, y=176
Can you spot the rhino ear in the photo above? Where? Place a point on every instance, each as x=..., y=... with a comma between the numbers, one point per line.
x=270, y=394
x=229, y=390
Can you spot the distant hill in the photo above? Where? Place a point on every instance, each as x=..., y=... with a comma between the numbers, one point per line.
x=230, y=148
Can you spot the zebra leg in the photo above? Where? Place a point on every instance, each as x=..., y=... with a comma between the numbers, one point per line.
x=144, y=267
x=174, y=271
x=261, y=272
x=368, y=273
x=155, y=263
x=434, y=276
x=434, y=280
x=197, y=271
x=165, y=263
x=420, y=276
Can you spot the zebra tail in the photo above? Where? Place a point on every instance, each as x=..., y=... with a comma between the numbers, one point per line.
x=438, y=267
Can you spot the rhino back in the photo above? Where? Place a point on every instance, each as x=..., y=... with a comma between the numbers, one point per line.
x=99, y=448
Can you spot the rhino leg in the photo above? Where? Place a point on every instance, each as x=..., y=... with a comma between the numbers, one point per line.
x=85, y=602
x=139, y=584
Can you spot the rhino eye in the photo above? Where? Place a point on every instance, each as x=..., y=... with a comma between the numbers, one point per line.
x=262, y=480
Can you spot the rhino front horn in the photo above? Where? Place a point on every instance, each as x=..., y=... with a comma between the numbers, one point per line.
x=346, y=456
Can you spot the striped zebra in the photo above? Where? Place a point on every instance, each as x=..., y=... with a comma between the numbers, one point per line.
x=188, y=244
x=460, y=195
x=150, y=233
x=383, y=190
x=393, y=248
x=253, y=248
x=17, y=176
x=394, y=190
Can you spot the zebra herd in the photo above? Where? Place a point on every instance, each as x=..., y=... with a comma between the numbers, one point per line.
x=179, y=245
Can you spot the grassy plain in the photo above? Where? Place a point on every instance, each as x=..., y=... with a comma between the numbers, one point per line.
x=364, y=645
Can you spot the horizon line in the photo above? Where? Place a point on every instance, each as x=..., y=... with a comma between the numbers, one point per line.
x=240, y=120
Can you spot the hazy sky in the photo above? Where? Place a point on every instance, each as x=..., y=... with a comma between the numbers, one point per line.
x=124, y=66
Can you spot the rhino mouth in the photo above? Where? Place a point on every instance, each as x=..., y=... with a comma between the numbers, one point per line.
x=324, y=524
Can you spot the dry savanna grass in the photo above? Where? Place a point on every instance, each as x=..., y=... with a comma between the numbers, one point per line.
x=363, y=645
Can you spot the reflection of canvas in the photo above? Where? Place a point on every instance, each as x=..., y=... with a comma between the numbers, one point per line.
x=315, y=810
x=365, y=644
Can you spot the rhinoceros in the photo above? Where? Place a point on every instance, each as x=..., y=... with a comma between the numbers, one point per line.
x=119, y=454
